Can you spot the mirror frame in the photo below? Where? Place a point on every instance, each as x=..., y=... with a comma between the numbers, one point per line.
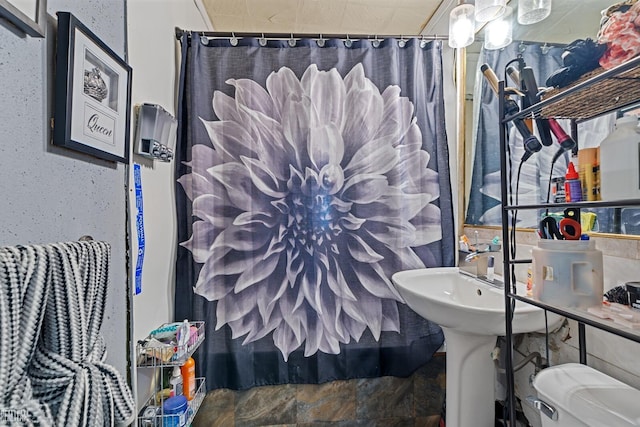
x=34, y=28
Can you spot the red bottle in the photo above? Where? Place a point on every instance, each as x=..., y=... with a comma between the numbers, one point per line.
x=572, y=185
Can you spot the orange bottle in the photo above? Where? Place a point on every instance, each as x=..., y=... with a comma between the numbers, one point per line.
x=188, y=371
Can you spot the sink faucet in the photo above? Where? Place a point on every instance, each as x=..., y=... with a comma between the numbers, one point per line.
x=476, y=264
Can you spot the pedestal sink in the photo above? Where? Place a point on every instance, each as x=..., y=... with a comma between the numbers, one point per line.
x=471, y=314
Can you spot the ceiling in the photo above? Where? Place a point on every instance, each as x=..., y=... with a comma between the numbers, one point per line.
x=321, y=16
x=570, y=19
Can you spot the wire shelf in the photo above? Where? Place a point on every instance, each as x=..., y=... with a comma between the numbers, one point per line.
x=156, y=418
x=595, y=93
x=154, y=354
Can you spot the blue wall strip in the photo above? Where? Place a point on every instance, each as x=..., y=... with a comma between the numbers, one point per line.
x=139, y=226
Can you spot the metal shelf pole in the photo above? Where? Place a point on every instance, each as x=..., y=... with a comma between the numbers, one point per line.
x=511, y=398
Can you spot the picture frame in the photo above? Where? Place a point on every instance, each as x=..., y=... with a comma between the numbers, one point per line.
x=29, y=16
x=92, y=94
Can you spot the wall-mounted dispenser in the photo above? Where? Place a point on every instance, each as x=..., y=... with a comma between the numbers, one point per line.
x=156, y=133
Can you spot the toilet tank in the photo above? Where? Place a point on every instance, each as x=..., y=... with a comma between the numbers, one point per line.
x=582, y=396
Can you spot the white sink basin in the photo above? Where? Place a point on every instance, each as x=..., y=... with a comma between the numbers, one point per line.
x=471, y=314
x=453, y=300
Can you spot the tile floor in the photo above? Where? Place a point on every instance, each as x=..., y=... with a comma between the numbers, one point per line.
x=387, y=401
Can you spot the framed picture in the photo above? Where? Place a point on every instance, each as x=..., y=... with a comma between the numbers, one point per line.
x=28, y=15
x=92, y=94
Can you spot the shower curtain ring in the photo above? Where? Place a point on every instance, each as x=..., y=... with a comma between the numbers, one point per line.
x=204, y=39
x=423, y=42
x=375, y=42
x=545, y=48
x=233, y=40
x=348, y=42
x=320, y=41
x=402, y=42
x=262, y=41
x=292, y=41
x=522, y=47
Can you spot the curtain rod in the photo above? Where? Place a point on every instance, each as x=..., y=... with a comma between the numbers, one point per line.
x=285, y=36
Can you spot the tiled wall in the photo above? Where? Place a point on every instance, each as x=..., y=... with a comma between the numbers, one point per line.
x=376, y=402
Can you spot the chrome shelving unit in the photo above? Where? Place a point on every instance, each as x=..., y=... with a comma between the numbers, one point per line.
x=166, y=356
x=595, y=94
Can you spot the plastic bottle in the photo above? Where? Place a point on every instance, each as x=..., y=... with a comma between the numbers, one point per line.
x=176, y=382
x=490, y=269
x=572, y=186
x=189, y=378
x=619, y=152
x=175, y=411
x=587, y=168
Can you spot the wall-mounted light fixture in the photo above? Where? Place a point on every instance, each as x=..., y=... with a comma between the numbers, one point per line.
x=499, y=32
x=156, y=133
x=461, y=26
x=533, y=11
x=488, y=10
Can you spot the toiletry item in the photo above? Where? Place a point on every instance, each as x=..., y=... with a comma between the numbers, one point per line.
x=495, y=245
x=149, y=415
x=490, y=268
x=163, y=394
x=193, y=335
x=175, y=411
x=619, y=161
x=587, y=167
x=633, y=289
x=182, y=338
x=557, y=190
x=176, y=381
x=165, y=332
x=530, y=281
x=572, y=187
x=588, y=221
x=189, y=378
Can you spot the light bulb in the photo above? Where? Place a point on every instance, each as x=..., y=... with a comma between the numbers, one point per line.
x=488, y=10
x=499, y=33
x=461, y=26
x=533, y=11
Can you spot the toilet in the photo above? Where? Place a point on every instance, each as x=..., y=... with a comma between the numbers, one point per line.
x=575, y=395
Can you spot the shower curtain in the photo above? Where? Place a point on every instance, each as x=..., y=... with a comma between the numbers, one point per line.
x=308, y=172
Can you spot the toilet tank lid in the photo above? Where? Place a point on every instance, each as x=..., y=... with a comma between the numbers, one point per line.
x=589, y=395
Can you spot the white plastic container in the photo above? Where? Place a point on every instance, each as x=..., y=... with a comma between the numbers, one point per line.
x=620, y=161
x=567, y=273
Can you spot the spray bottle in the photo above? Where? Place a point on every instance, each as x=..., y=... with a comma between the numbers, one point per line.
x=176, y=382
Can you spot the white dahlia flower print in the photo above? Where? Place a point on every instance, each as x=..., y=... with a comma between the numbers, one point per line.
x=316, y=190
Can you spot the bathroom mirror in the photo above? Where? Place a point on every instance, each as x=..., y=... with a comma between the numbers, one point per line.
x=27, y=15
x=569, y=20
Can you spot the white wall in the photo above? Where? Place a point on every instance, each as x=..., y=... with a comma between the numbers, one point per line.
x=154, y=55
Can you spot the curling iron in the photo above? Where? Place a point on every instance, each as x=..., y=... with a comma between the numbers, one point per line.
x=531, y=143
x=544, y=125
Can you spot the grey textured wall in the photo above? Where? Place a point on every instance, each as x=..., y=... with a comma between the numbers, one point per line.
x=51, y=194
